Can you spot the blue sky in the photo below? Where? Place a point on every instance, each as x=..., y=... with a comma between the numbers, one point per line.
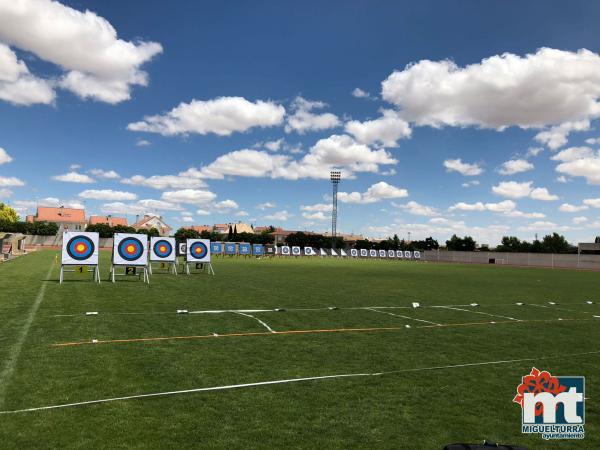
x=450, y=117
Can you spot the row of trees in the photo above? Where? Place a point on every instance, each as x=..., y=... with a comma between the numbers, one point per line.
x=186, y=233
x=35, y=228
x=106, y=231
x=395, y=243
x=313, y=240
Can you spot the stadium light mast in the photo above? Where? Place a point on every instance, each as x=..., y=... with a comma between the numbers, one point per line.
x=335, y=176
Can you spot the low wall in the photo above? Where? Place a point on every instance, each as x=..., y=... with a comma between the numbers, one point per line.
x=33, y=242
x=571, y=261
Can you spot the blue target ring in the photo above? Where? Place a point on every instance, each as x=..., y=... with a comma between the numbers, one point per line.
x=80, y=248
x=198, y=250
x=162, y=248
x=130, y=249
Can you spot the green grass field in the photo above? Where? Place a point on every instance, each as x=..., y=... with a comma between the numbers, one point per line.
x=410, y=409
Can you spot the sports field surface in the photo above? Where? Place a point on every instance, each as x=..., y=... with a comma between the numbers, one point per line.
x=421, y=378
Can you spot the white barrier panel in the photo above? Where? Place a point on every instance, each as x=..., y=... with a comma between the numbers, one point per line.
x=373, y=253
x=353, y=252
x=198, y=251
x=407, y=254
x=285, y=250
x=364, y=252
x=343, y=253
x=417, y=254
x=296, y=251
x=130, y=249
x=382, y=253
x=323, y=252
x=334, y=253
x=309, y=251
x=80, y=248
x=162, y=249
x=391, y=254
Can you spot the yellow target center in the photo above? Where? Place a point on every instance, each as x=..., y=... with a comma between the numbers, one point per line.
x=130, y=248
x=162, y=248
x=80, y=247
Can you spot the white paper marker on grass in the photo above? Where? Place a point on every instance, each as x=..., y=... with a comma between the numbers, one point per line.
x=416, y=305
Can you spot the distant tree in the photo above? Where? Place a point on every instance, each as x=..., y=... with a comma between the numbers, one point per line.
x=152, y=232
x=104, y=230
x=123, y=229
x=45, y=228
x=597, y=240
x=8, y=214
x=556, y=243
x=235, y=234
x=466, y=243
x=427, y=244
x=510, y=244
x=230, y=234
x=186, y=233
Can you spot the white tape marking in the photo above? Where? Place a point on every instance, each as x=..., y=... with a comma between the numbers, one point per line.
x=399, y=315
x=15, y=351
x=286, y=381
x=255, y=318
x=478, y=312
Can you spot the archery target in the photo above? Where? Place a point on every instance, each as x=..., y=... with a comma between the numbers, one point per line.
x=373, y=253
x=399, y=254
x=285, y=250
x=130, y=249
x=382, y=253
x=391, y=254
x=309, y=251
x=230, y=248
x=80, y=248
x=364, y=253
x=162, y=249
x=216, y=248
x=407, y=254
x=244, y=249
x=258, y=249
x=296, y=251
x=353, y=252
x=198, y=250
x=417, y=254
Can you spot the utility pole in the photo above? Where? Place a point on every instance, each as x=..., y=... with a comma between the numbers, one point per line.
x=335, y=177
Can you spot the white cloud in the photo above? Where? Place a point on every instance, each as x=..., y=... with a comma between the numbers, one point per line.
x=562, y=179
x=98, y=64
x=203, y=212
x=246, y=163
x=549, y=87
x=470, y=183
x=161, y=182
x=11, y=182
x=191, y=196
x=466, y=169
x=573, y=154
x=281, y=216
x=579, y=220
x=17, y=84
x=106, y=174
x=274, y=146
x=567, y=207
x=377, y=192
x=303, y=119
x=266, y=205
x=588, y=168
x=514, y=189
x=107, y=194
x=315, y=216
x=593, y=202
x=226, y=205
x=4, y=156
x=515, y=166
x=557, y=136
x=142, y=143
x=505, y=207
x=417, y=209
x=187, y=219
x=385, y=131
x=323, y=207
x=5, y=193
x=242, y=213
x=533, y=151
x=359, y=93
x=221, y=116
x=592, y=141
x=544, y=226
x=74, y=177
x=140, y=207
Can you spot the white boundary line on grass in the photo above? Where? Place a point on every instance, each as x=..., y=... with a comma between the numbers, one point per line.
x=478, y=312
x=255, y=318
x=286, y=381
x=404, y=317
x=15, y=351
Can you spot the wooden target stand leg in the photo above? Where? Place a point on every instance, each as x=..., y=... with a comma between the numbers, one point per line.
x=172, y=266
x=144, y=274
x=63, y=271
x=205, y=267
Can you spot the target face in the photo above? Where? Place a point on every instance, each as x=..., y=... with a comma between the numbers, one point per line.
x=391, y=254
x=285, y=250
x=130, y=249
x=257, y=249
x=308, y=251
x=244, y=249
x=216, y=247
x=417, y=254
x=373, y=253
x=399, y=254
x=353, y=252
x=230, y=249
x=80, y=248
x=198, y=250
x=364, y=252
x=162, y=249
x=382, y=253
x=407, y=254
x=296, y=251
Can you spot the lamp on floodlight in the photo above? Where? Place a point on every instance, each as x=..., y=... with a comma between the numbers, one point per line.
x=336, y=177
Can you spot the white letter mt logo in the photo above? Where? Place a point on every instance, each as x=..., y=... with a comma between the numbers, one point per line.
x=552, y=406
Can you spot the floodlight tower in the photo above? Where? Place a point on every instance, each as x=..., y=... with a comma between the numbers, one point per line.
x=335, y=176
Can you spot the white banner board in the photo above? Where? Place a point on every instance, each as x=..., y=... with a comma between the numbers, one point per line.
x=130, y=249
x=80, y=248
